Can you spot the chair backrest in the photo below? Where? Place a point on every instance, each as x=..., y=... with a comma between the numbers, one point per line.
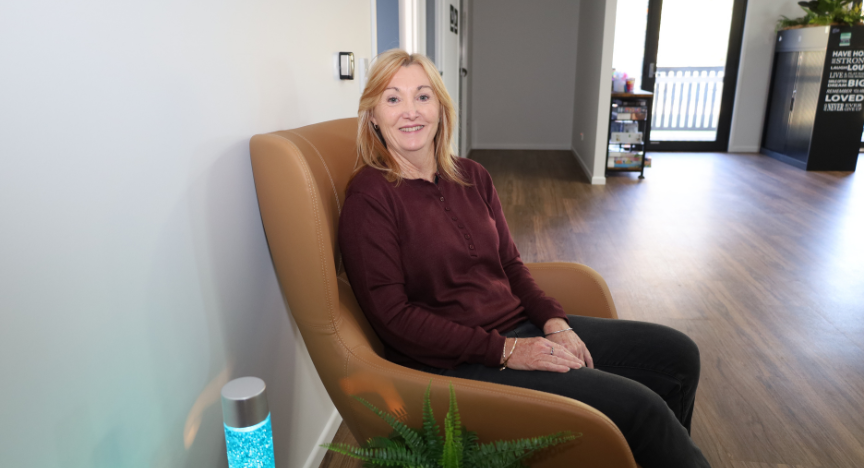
x=300, y=177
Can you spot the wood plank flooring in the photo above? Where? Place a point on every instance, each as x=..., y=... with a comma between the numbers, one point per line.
x=760, y=263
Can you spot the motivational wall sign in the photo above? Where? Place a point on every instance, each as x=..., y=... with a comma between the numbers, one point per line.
x=845, y=91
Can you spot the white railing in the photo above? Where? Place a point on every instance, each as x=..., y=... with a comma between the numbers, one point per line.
x=687, y=98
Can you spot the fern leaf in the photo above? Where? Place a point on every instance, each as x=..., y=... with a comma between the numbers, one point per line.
x=349, y=450
x=512, y=453
x=452, y=453
x=431, y=430
x=390, y=456
x=448, y=455
x=401, y=457
x=453, y=450
x=469, y=448
x=454, y=411
x=411, y=437
x=384, y=442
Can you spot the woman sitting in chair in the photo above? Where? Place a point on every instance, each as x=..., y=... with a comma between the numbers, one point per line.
x=434, y=268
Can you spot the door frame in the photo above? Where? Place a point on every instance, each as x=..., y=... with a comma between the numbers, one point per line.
x=730, y=81
x=464, y=110
x=652, y=40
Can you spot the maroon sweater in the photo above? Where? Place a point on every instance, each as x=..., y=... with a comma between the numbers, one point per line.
x=434, y=268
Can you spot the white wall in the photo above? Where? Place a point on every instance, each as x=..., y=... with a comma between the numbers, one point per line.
x=134, y=274
x=523, y=69
x=593, y=86
x=754, y=71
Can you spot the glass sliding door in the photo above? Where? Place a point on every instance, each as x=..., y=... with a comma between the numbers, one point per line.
x=691, y=57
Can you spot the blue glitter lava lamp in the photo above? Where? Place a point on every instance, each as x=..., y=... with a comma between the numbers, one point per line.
x=248, y=434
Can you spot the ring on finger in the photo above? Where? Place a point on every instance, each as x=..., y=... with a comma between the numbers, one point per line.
x=552, y=353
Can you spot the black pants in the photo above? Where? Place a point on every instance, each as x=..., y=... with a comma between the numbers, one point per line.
x=644, y=380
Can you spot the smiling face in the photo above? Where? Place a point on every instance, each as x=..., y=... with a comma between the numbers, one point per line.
x=408, y=113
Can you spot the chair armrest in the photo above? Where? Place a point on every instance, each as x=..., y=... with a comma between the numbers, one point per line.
x=579, y=289
x=495, y=412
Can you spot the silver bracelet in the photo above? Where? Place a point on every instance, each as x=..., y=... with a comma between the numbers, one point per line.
x=559, y=331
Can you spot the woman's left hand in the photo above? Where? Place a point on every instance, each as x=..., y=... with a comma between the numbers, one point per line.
x=568, y=339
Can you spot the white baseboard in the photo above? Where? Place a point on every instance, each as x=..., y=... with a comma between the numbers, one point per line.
x=519, y=146
x=743, y=149
x=595, y=180
x=318, y=452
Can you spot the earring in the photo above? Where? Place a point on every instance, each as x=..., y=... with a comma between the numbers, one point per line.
x=375, y=126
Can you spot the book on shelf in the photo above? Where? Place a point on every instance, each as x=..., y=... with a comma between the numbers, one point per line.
x=629, y=115
x=626, y=137
x=640, y=110
x=630, y=110
x=629, y=102
x=623, y=160
x=626, y=127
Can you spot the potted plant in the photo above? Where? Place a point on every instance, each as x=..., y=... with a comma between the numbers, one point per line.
x=824, y=13
x=459, y=448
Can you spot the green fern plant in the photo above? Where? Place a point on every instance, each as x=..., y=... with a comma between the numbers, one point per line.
x=459, y=448
x=824, y=13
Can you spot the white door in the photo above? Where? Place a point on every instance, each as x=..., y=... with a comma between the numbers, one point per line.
x=449, y=29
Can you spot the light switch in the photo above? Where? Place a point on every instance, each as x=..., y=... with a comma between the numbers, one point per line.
x=346, y=65
x=362, y=72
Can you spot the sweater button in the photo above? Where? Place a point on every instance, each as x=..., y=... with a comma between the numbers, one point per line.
x=454, y=219
x=460, y=225
x=442, y=198
x=446, y=208
x=471, y=246
x=467, y=236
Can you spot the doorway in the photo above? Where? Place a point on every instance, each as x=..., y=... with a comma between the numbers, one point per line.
x=437, y=29
x=689, y=62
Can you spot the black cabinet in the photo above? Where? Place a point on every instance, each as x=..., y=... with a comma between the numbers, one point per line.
x=794, y=100
x=814, y=117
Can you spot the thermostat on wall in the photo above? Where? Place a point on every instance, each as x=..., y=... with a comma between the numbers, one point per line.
x=346, y=65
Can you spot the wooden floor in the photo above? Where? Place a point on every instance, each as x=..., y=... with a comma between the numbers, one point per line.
x=762, y=264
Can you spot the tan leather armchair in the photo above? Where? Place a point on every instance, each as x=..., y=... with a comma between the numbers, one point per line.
x=301, y=176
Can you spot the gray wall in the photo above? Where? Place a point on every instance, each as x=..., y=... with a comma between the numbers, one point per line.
x=754, y=73
x=593, y=86
x=135, y=277
x=523, y=69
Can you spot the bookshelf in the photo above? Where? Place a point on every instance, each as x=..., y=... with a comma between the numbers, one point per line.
x=629, y=130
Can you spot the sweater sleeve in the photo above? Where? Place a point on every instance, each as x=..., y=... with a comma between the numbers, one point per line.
x=369, y=240
x=538, y=306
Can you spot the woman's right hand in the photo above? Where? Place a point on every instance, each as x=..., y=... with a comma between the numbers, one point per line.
x=540, y=354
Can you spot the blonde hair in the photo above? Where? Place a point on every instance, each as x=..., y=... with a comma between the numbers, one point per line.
x=372, y=150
